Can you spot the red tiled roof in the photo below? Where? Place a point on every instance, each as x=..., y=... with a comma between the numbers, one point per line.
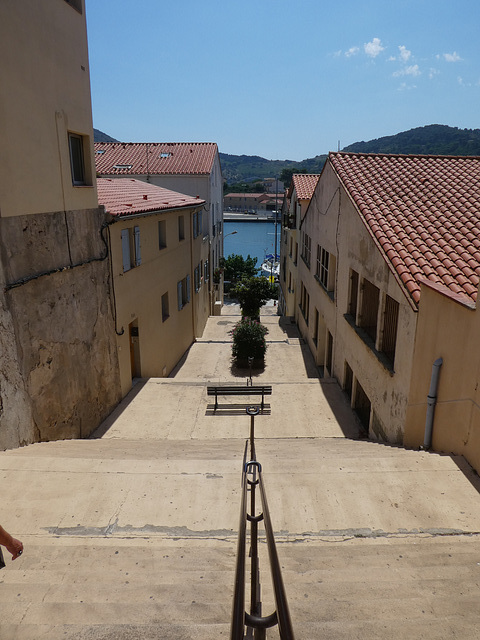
x=125, y=197
x=424, y=213
x=154, y=158
x=304, y=184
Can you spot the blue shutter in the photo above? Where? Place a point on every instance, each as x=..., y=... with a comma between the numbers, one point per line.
x=188, y=288
x=179, y=295
x=136, y=236
x=126, y=250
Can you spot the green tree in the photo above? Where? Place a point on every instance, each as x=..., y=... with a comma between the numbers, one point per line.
x=287, y=173
x=252, y=293
x=237, y=267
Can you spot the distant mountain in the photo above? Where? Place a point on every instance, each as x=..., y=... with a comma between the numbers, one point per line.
x=99, y=136
x=252, y=168
x=434, y=139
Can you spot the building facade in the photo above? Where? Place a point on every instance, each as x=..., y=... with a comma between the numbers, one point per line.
x=160, y=279
x=294, y=207
x=189, y=168
x=59, y=374
x=379, y=231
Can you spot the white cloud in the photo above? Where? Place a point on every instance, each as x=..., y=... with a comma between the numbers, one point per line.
x=406, y=87
x=404, y=53
x=352, y=52
x=412, y=70
x=433, y=72
x=451, y=57
x=373, y=48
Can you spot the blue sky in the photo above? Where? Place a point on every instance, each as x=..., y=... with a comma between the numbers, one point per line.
x=282, y=80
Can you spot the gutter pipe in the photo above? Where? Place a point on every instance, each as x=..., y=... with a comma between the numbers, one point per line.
x=431, y=402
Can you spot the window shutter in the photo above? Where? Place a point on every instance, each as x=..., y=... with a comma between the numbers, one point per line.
x=188, y=288
x=126, y=250
x=136, y=236
x=179, y=295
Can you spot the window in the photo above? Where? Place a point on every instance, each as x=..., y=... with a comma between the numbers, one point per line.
x=207, y=271
x=181, y=228
x=284, y=268
x=165, y=309
x=362, y=406
x=131, y=248
x=369, y=310
x=329, y=354
x=197, y=224
x=76, y=4
x=162, y=234
x=306, y=249
x=315, y=328
x=77, y=165
x=353, y=297
x=122, y=167
x=197, y=282
x=291, y=247
x=296, y=253
x=323, y=259
x=183, y=292
x=304, y=302
x=348, y=381
x=390, y=322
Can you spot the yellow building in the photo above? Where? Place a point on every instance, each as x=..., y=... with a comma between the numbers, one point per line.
x=389, y=251
x=295, y=205
x=58, y=363
x=160, y=278
x=445, y=415
x=190, y=168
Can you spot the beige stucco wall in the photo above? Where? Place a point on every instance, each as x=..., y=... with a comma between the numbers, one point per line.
x=456, y=427
x=58, y=363
x=59, y=371
x=333, y=222
x=290, y=253
x=45, y=93
x=138, y=295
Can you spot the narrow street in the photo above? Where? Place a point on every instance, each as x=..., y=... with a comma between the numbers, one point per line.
x=132, y=534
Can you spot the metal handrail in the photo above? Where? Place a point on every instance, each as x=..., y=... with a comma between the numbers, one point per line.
x=254, y=620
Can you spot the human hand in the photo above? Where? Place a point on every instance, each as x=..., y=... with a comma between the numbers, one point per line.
x=15, y=547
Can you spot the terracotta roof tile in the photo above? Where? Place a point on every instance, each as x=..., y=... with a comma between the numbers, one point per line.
x=304, y=185
x=126, y=196
x=424, y=211
x=154, y=158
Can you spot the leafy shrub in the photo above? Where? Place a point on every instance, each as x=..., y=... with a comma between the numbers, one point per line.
x=249, y=340
x=252, y=293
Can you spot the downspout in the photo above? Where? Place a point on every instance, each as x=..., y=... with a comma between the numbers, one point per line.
x=431, y=402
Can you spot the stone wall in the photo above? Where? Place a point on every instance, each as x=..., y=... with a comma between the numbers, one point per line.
x=59, y=375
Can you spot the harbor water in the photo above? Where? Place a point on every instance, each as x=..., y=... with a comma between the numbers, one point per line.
x=256, y=239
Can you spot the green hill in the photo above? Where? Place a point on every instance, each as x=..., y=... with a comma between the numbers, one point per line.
x=434, y=139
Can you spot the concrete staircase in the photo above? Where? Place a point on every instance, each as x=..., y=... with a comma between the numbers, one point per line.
x=134, y=539
x=133, y=534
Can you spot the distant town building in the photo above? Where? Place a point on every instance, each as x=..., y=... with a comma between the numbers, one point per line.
x=189, y=168
x=294, y=208
x=252, y=202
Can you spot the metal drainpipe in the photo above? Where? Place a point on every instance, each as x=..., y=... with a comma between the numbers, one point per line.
x=431, y=402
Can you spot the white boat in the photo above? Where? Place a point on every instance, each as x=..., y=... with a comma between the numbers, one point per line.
x=271, y=266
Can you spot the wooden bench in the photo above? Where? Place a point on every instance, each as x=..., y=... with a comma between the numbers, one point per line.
x=237, y=390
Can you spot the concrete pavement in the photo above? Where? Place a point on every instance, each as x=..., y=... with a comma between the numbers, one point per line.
x=132, y=534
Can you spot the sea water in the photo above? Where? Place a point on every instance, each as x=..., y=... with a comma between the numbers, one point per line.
x=252, y=238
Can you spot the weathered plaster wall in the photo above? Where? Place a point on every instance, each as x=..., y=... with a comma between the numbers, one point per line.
x=333, y=222
x=59, y=373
